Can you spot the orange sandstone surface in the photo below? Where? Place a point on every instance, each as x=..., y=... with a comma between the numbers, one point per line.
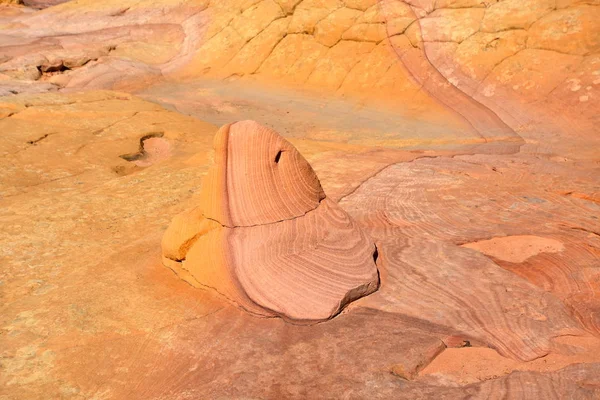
x=414, y=214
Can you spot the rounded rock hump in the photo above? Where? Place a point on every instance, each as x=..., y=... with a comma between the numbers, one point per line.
x=265, y=237
x=258, y=178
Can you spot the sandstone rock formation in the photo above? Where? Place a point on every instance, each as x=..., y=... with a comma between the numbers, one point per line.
x=390, y=206
x=265, y=236
x=460, y=135
x=66, y=175
x=480, y=64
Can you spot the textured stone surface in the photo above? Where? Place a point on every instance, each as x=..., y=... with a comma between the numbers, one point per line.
x=460, y=134
x=574, y=37
x=426, y=280
x=495, y=52
x=468, y=365
x=265, y=237
x=516, y=249
x=258, y=178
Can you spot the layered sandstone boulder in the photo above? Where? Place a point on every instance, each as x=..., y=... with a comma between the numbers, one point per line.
x=266, y=237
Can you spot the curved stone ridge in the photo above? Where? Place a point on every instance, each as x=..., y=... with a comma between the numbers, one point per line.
x=258, y=178
x=266, y=237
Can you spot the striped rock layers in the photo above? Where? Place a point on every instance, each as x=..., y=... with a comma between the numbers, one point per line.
x=265, y=236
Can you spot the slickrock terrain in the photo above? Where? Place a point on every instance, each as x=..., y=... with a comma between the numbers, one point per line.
x=265, y=236
x=449, y=248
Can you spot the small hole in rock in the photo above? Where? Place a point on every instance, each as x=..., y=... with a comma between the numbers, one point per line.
x=278, y=156
x=375, y=255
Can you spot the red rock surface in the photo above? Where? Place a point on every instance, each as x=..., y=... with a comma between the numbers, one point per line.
x=461, y=137
x=258, y=178
x=265, y=237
